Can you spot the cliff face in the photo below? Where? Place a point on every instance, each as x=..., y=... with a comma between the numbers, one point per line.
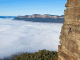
x=70, y=43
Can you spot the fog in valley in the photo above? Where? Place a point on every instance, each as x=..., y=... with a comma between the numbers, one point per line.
x=23, y=36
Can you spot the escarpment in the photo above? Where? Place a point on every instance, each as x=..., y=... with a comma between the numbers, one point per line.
x=70, y=42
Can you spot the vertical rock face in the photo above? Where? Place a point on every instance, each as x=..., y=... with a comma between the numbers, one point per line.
x=70, y=43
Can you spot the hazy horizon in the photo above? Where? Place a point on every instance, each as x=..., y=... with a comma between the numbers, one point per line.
x=40, y=14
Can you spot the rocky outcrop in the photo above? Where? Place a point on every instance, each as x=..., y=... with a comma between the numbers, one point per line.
x=70, y=43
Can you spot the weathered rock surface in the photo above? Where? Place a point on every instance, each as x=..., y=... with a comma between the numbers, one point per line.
x=70, y=43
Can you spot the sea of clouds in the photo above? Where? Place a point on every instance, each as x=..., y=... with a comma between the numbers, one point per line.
x=23, y=36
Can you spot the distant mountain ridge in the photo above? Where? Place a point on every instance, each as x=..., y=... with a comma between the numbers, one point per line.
x=42, y=18
x=8, y=16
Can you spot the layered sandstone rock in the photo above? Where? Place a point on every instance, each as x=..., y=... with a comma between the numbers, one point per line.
x=70, y=43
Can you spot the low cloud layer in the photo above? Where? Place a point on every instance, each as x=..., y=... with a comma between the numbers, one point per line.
x=23, y=36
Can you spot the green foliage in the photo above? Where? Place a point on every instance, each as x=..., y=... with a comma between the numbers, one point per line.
x=41, y=55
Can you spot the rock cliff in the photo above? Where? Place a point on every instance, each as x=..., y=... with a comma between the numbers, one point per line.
x=70, y=43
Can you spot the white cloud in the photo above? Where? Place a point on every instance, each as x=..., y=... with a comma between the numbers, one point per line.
x=23, y=36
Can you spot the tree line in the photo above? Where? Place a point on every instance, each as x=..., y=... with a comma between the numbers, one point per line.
x=40, y=55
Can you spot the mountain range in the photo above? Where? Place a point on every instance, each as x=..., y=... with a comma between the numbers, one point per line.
x=47, y=18
x=42, y=18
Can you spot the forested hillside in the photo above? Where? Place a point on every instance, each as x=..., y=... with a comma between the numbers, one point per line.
x=41, y=55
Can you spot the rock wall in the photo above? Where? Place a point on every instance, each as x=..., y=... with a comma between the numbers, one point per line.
x=70, y=43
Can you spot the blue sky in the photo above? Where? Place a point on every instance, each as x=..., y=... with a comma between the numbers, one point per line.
x=29, y=7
